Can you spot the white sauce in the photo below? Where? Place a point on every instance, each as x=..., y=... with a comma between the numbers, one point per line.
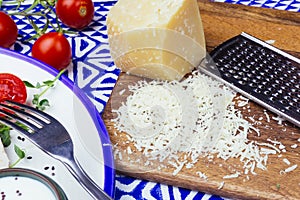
x=24, y=188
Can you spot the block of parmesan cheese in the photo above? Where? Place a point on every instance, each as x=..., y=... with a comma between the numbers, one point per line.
x=158, y=39
x=4, y=162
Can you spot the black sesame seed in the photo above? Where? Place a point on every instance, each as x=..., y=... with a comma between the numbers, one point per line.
x=21, y=138
x=46, y=168
x=53, y=168
x=29, y=157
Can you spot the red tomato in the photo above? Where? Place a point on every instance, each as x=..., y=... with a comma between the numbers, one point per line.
x=53, y=49
x=12, y=88
x=8, y=30
x=75, y=13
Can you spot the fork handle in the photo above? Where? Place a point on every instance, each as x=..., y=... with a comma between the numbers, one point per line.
x=85, y=181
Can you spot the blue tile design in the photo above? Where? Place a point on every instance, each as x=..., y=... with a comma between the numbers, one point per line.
x=93, y=70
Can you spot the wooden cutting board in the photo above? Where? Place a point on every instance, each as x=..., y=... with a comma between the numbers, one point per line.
x=222, y=21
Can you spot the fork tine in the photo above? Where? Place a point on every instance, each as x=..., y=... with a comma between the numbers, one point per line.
x=41, y=119
x=40, y=113
x=15, y=117
x=13, y=125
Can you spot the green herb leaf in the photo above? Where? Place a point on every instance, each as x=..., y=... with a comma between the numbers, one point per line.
x=35, y=99
x=49, y=83
x=43, y=104
x=28, y=84
x=19, y=152
x=5, y=135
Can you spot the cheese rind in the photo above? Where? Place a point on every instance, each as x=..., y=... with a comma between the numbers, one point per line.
x=156, y=32
x=150, y=62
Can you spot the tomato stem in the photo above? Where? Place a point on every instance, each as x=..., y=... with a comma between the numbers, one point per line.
x=52, y=84
x=41, y=104
x=47, y=8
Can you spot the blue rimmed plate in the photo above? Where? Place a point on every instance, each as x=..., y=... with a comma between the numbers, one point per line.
x=80, y=117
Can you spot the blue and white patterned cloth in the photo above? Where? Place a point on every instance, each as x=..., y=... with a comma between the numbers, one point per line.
x=290, y=5
x=93, y=71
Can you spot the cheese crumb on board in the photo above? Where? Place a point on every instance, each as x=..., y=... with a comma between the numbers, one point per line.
x=158, y=39
x=294, y=146
x=221, y=185
x=286, y=161
x=201, y=175
x=289, y=169
x=196, y=117
x=235, y=175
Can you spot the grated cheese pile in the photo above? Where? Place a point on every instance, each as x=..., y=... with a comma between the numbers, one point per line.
x=195, y=117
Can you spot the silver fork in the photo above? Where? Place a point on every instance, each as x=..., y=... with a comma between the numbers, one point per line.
x=49, y=135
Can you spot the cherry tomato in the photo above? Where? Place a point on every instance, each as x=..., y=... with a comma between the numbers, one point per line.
x=75, y=13
x=8, y=30
x=53, y=49
x=12, y=88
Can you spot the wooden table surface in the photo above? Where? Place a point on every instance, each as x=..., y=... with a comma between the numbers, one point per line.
x=221, y=22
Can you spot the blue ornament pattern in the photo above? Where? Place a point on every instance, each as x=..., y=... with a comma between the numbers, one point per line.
x=93, y=70
x=289, y=5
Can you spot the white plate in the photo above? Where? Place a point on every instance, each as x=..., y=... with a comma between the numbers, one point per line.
x=75, y=111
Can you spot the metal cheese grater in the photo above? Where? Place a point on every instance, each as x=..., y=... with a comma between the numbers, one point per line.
x=260, y=72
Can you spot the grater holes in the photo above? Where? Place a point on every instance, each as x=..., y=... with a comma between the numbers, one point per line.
x=279, y=82
x=261, y=87
x=287, y=97
x=227, y=75
x=275, y=94
x=250, y=75
x=237, y=77
x=227, y=66
x=253, y=85
x=285, y=103
x=267, y=92
x=266, y=74
x=231, y=71
x=297, y=101
x=222, y=69
x=288, y=108
x=245, y=79
x=295, y=97
x=293, y=104
x=255, y=80
x=242, y=82
x=257, y=90
x=271, y=99
x=236, y=67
